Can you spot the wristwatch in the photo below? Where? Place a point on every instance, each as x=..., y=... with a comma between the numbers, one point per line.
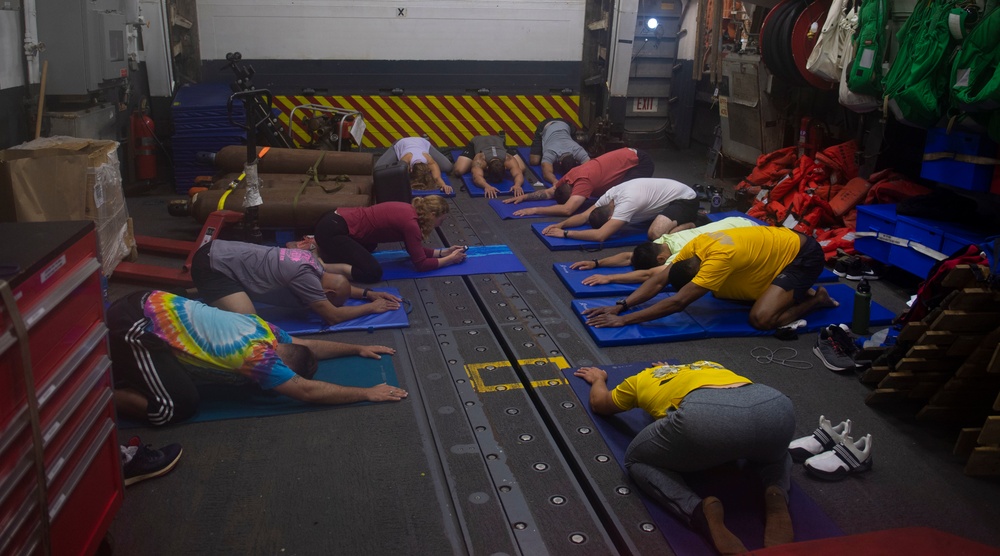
x=565, y=234
x=623, y=303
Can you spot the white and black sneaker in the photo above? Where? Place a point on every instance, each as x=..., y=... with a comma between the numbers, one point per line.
x=824, y=438
x=846, y=458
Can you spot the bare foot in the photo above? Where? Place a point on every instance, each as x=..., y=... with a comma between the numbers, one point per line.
x=823, y=298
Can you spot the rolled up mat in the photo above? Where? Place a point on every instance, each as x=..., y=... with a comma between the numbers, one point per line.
x=357, y=185
x=296, y=161
x=279, y=209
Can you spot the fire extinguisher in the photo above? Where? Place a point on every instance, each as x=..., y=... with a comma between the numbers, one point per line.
x=144, y=146
x=810, y=137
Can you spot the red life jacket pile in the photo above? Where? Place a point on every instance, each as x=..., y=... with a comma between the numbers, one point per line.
x=817, y=195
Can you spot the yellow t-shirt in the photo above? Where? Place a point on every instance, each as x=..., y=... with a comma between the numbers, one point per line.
x=677, y=240
x=740, y=264
x=659, y=389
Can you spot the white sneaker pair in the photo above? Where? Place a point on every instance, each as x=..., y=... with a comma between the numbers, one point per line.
x=830, y=453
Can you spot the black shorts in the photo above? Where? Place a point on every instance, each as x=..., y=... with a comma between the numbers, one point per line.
x=682, y=211
x=642, y=169
x=212, y=285
x=800, y=275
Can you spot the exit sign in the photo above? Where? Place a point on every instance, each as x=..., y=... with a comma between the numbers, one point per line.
x=644, y=104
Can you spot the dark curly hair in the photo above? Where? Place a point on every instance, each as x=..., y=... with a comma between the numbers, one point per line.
x=682, y=272
x=600, y=216
x=494, y=170
x=565, y=163
x=644, y=256
x=563, y=193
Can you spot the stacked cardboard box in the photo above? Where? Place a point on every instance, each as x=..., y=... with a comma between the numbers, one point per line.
x=66, y=178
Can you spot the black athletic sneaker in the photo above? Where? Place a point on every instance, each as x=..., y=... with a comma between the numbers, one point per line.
x=843, y=265
x=831, y=352
x=860, y=269
x=140, y=461
x=845, y=340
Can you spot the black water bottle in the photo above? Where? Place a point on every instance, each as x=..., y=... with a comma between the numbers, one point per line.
x=862, y=308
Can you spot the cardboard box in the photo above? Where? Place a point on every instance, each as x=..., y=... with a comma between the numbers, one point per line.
x=66, y=178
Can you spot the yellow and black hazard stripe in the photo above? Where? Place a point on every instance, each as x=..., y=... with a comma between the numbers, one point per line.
x=448, y=121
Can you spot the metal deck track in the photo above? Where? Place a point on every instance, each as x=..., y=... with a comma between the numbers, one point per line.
x=509, y=420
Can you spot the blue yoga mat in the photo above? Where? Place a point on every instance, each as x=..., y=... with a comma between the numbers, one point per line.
x=710, y=317
x=573, y=280
x=716, y=216
x=297, y=321
x=631, y=234
x=227, y=401
x=485, y=259
x=426, y=192
x=506, y=211
x=504, y=186
x=738, y=488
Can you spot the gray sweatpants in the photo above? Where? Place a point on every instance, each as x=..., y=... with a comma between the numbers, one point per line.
x=713, y=426
x=389, y=156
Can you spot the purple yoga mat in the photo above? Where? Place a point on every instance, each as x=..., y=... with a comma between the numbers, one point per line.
x=739, y=489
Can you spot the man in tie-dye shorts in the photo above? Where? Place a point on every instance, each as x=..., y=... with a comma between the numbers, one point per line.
x=159, y=340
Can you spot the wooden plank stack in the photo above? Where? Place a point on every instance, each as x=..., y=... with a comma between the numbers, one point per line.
x=953, y=368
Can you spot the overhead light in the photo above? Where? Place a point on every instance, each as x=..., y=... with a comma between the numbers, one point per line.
x=652, y=23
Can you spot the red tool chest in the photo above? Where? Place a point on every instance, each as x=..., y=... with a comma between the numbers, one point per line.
x=54, y=275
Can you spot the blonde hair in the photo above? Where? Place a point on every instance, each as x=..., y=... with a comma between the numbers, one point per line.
x=421, y=177
x=428, y=209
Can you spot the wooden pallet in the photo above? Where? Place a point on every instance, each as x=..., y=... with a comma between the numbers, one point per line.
x=981, y=447
x=953, y=364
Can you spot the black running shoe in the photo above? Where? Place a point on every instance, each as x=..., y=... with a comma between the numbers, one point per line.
x=843, y=265
x=140, y=461
x=860, y=269
x=831, y=353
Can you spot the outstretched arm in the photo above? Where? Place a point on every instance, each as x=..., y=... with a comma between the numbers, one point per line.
x=317, y=391
x=600, y=234
x=571, y=222
x=548, y=172
x=567, y=209
x=333, y=314
x=539, y=195
x=328, y=349
x=436, y=173
x=619, y=259
x=479, y=178
x=600, y=397
x=673, y=304
x=514, y=167
x=652, y=286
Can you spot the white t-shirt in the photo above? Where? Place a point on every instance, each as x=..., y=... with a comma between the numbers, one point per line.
x=416, y=146
x=643, y=199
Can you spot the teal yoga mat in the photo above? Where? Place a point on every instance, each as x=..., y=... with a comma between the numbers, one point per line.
x=227, y=401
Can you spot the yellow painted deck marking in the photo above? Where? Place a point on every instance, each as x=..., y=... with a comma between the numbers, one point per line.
x=474, y=372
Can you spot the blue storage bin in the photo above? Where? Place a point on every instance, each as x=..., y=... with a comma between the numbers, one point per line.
x=967, y=175
x=919, y=230
x=875, y=218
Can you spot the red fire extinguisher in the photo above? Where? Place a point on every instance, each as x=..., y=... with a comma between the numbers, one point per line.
x=810, y=137
x=144, y=145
